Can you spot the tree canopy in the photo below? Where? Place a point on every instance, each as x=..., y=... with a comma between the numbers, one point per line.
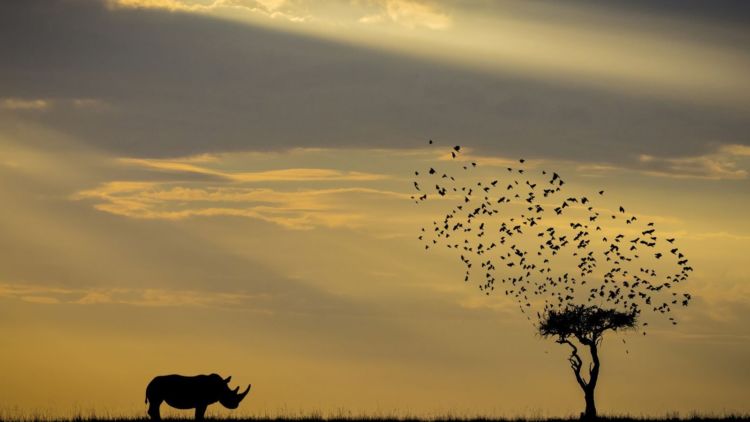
x=585, y=323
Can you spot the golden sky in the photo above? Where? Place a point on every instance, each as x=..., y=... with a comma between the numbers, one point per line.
x=223, y=186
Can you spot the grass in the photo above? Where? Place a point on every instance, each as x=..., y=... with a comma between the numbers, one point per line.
x=383, y=418
x=81, y=414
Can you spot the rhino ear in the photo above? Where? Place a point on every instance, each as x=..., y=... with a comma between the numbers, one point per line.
x=227, y=379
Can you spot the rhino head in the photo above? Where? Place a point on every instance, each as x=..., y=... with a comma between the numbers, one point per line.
x=231, y=398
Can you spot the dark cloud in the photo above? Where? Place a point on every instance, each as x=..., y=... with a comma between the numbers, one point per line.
x=724, y=12
x=176, y=84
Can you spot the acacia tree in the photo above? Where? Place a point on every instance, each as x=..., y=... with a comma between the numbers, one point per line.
x=586, y=325
x=578, y=263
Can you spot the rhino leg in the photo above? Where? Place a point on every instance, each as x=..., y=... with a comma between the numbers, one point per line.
x=153, y=409
x=200, y=411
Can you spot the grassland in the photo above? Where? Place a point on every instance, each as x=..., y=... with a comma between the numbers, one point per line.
x=380, y=418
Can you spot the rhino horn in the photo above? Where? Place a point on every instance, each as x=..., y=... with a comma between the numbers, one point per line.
x=242, y=396
x=236, y=390
x=227, y=379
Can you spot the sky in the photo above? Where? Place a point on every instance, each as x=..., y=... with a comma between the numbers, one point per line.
x=224, y=186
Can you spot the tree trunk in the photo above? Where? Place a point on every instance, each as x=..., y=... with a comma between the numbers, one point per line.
x=588, y=390
x=589, y=386
x=590, y=413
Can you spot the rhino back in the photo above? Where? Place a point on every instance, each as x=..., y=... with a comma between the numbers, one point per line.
x=184, y=392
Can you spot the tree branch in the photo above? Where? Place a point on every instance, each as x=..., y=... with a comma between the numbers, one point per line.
x=575, y=362
x=583, y=340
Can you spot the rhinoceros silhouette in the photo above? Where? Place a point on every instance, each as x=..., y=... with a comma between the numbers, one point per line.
x=195, y=392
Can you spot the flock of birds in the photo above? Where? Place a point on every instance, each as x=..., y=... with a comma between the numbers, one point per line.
x=519, y=234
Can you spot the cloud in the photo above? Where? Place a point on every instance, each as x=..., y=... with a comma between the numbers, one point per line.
x=372, y=19
x=727, y=162
x=94, y=104
x=333, y=197
x=40, y=299
x=172, y=5
x=711, y=166
x=736, y=150
x=212, y=96
x=282, y=175
x=51, y=295
x=273, y=9
x=406, y=13
x=24, y=104
x=410, y=14
x=701, y=167
x=302, y=174
x=45, y=104
x=299, y=209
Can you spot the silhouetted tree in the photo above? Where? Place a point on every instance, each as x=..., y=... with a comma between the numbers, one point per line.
x=578, y=264
x=586, y=325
